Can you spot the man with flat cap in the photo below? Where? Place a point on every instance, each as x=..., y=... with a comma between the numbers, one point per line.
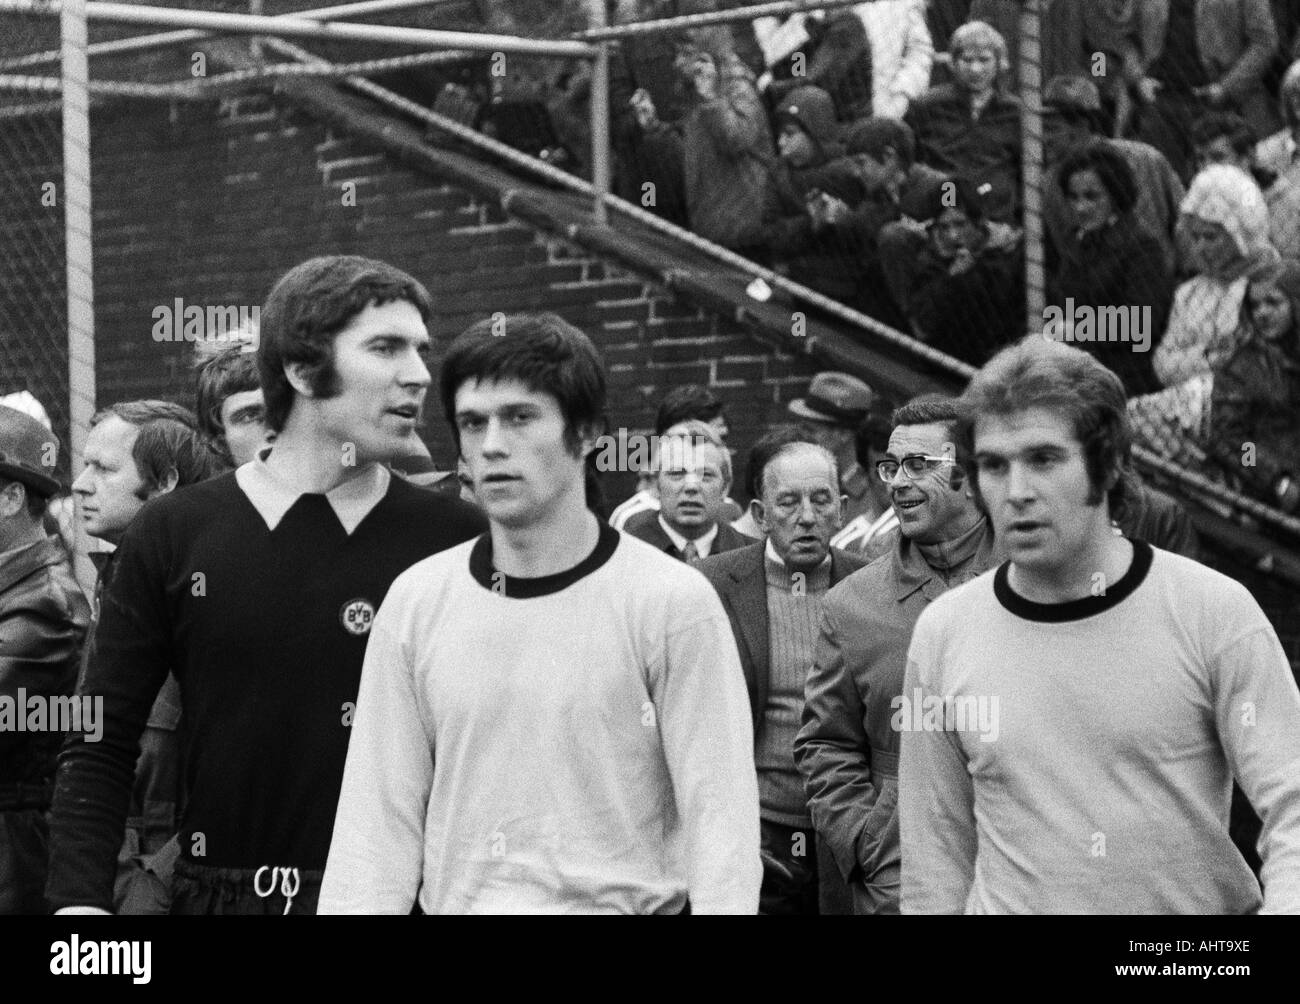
x=835, y=405
x=43, y=620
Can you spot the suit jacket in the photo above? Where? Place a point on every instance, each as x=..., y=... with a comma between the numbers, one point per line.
x=645, y=526
x=741, y=582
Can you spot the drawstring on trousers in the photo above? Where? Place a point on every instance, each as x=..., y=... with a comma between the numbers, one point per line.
x=290, y=881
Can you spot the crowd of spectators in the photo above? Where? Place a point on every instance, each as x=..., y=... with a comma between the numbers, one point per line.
x=874, y=154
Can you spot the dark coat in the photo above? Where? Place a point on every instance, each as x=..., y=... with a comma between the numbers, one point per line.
x=43, y=620
x=974, y=314
x=984, y=150
x=1256, y=399
x=1158, y=519
x=741, y=582
x=1118, y=266
x=839, y=63
x=645, y=526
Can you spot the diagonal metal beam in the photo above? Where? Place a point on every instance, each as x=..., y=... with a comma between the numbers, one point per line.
x=143, y=43
x=298, y=27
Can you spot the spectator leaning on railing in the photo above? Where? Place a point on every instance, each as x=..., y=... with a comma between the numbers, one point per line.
x=1226, y=223
x=1255, y=431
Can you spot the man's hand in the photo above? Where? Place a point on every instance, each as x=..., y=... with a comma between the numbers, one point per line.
x=1287, y=491
x=643, y=107
x=704, y=74
x=1212, y=94
x=1148, y=88
x=962, y=262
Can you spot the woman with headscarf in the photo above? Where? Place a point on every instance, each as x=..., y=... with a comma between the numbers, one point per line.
x=1255, y=423
x=1113, y=263
x=1224, y=226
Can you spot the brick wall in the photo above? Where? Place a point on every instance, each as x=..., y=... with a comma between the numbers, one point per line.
x=211, y=203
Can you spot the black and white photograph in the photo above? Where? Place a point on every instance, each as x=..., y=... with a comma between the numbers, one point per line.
x=648, y=457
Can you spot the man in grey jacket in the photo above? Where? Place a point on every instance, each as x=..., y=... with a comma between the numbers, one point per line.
x=847, y=749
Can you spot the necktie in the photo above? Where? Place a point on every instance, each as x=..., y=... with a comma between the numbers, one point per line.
x=690, y=554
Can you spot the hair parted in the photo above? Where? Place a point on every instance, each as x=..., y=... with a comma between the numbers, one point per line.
x=545, y=353
x=169, y=442
x=308, y=307
x=1040, y=373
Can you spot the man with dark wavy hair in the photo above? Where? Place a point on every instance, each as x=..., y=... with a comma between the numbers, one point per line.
x=1073, y=720
x=553, y=718
x=258, y=588
x=228, y=398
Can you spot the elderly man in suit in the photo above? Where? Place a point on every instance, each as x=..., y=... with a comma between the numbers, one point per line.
x=693, y=474
x=772, y=592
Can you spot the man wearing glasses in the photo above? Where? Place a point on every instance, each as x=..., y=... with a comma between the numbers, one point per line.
x=847, y=749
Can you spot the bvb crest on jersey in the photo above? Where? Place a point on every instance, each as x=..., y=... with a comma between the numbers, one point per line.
x=356, y=616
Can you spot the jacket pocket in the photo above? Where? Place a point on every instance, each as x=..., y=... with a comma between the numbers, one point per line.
x=878, y=844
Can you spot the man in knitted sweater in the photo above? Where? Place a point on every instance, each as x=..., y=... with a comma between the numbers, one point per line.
x=552, y=719
x=1073, y=720
x=258, y=588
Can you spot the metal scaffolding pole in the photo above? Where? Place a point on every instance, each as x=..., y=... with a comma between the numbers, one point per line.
x=1031, y=138
x=297, y=27
x=658, y=25
x=142, y=43
x=78, y=249
x=600, y=145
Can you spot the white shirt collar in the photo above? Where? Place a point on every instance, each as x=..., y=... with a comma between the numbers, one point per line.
x=702, y=544
x=351, y=501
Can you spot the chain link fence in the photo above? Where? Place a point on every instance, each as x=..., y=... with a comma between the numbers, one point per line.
x=838, y=150
x=33, y=290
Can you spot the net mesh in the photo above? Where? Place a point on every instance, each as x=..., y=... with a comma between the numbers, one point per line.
x=33, y=290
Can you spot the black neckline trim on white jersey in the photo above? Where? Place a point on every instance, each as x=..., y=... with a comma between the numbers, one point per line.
x=489, y=577
x=1074, y=610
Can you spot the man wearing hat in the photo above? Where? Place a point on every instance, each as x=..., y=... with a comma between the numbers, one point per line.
x=43, y=620
x=835, y=405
